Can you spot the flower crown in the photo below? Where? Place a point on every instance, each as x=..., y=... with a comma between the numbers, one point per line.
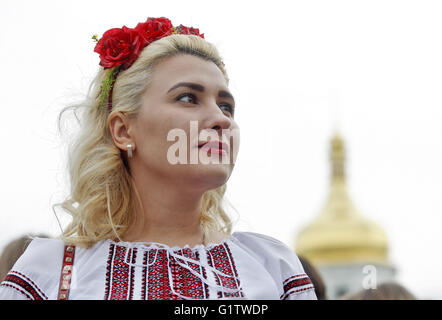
x=120, y=47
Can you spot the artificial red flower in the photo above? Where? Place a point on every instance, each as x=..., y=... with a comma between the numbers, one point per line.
x=119, y=47
x=186, y=30
x=154, y=29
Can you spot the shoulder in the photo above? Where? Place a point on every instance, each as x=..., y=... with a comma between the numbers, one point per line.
x=264, y=244
x=35, y=274
x=253, y=236
x=280, y=261
x=42, y=255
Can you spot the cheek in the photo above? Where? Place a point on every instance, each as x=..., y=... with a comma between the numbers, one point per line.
x=160, y=135
x=150, y=137
x=153, y=127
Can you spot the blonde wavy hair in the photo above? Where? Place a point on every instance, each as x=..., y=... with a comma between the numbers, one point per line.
x=103, y=195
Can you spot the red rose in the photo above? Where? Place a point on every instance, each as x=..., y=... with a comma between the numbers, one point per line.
x=186, y=30
x=119, y=47
x=154, y=29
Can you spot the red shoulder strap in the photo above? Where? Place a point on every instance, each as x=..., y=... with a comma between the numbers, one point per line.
x=66, y=272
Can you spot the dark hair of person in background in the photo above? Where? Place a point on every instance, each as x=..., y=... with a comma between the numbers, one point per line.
x=12, y=251
x=315, y=277
x=385, y=291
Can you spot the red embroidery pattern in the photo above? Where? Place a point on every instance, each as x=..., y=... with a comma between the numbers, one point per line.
x=297, y=283
x=156, y=284
x=295, y=291
x=156, y=276
x=294, y=277
x=119, y=275
x=221, y=258
x=24, y=285
x=186, y=283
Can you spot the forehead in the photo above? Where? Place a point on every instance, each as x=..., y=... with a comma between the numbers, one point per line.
x=187, y=68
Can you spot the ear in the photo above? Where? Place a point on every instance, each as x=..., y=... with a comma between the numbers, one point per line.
x=121, y=128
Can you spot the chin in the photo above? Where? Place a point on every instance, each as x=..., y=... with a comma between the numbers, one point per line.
x=210, y=176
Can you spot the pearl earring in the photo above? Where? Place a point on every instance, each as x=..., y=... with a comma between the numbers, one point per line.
x=129, y=150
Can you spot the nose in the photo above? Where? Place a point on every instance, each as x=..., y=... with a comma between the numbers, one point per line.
x=216, y=119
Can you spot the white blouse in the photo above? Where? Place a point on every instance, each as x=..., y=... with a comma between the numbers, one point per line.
x=244, y=266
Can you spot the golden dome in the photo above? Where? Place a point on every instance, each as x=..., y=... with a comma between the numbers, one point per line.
x=340, y=233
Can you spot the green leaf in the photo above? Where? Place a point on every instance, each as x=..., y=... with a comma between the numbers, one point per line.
x=106, y=86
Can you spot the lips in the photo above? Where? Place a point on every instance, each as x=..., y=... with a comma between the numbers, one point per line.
x=215, y=144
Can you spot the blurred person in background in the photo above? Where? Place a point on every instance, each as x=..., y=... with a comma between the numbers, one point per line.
x=385, y=291
x=12, y=251
x=315, y=277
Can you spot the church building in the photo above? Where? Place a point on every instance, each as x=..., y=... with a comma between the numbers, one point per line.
x=349, y=250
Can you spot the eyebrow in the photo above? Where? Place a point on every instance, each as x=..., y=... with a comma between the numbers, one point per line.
x=198, y=87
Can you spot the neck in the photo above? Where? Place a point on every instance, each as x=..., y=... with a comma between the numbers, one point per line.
x=170, y=213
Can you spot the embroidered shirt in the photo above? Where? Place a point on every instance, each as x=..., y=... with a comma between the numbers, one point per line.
x=244, y=266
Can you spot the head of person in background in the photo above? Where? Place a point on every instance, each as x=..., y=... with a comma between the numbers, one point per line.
x=315, y=277
x=384, y=291
x=13, y=250
x=125, y=182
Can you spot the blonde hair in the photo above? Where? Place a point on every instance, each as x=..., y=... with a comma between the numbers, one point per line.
x=102, y=191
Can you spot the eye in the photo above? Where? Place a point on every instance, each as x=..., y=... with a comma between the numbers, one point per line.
x=192, y=96
x=227, y=106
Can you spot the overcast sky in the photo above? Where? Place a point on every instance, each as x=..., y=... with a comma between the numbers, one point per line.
x=298, y=70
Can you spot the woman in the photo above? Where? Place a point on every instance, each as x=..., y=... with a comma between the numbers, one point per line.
x=146, y=225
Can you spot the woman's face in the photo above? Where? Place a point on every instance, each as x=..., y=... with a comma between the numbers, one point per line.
x=174, y=120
